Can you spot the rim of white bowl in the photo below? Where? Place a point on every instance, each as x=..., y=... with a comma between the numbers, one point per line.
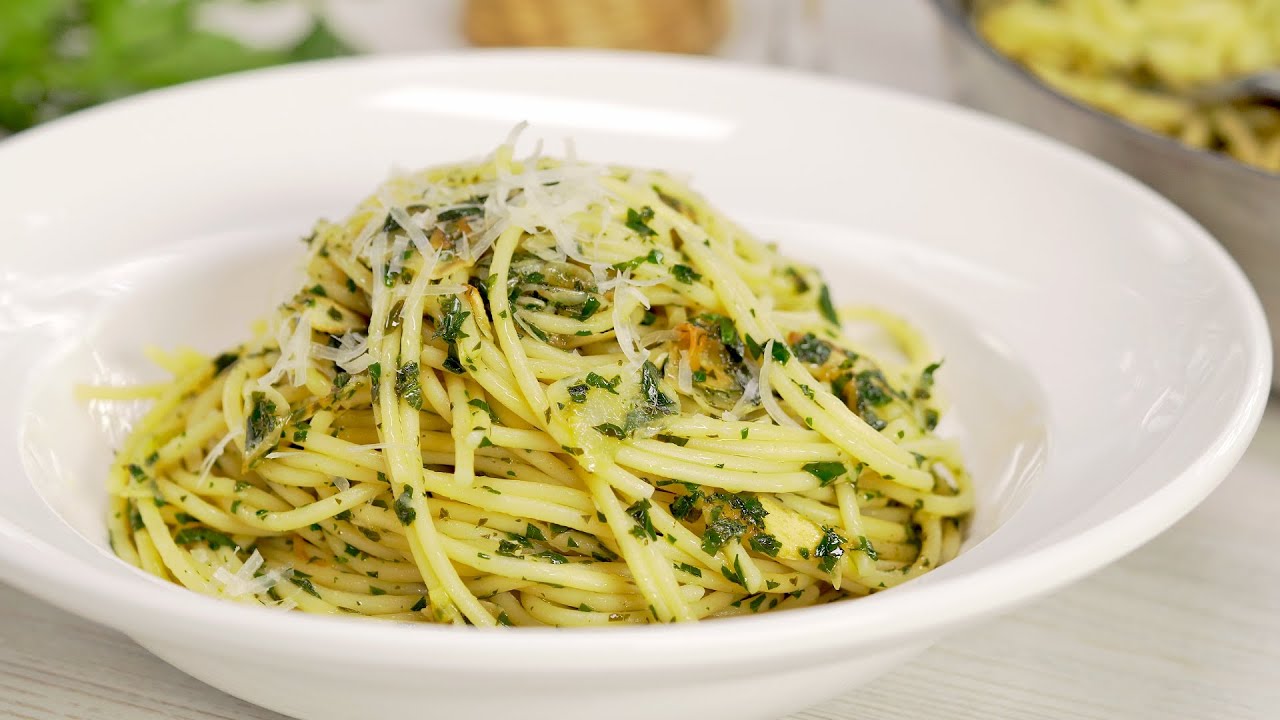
x=182, y=617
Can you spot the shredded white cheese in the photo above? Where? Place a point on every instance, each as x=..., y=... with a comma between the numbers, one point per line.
x=766, y=391
x=216, y=452
x=243, y=582
x=750, y=394
x=352, y=353
x=626, y=330
x=295, y=352
x=684, y=375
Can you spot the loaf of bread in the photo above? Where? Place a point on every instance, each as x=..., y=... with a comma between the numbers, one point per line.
x=683, y=26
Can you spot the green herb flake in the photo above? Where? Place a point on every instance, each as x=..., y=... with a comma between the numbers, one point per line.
x=686, y=567
x=224, y=361
x=825, y=471
x=829, y=549
x=765, y=543
x=407, y=386
x=864, y=546
x=610, y=430
x=720, y=532
x=262, y=423
x=209, y=536
x=780, y=352
x=637, y=221
x=589, y=308
x=578, y=393
x=449, y=328
x=552, y=557
x=595, y=380
x=826, y=308
x=639, y=511
x=305, y=584
x=482, y=405
x=653, y=402
x=404, y=507
x=685, y=274
x=810, y=349
x=684, y=505
x=924, y=387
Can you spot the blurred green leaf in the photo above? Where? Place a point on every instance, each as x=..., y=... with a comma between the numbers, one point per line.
x=57, y=56
x=319, y=43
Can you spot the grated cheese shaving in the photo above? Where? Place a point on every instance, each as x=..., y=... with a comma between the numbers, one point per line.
x=216, y=452
x=684, y=375
x=771, y=405
x=626, y=330
x=295, y=352
x=243, y=582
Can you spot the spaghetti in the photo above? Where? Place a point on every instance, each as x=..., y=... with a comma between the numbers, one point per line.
x=543, y=392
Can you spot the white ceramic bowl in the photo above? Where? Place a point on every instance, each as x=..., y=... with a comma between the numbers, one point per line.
x=1107, y=361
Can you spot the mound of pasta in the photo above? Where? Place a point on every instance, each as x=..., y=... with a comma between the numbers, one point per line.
x=1139, y=58
x=543, y=392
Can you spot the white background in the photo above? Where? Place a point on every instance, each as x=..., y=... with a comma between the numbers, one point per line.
x=1187, y=627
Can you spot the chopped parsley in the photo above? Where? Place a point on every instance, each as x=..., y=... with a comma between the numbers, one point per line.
x=224, y=361
x=638, y=221
x=826, y=471
x=924, y=388
x=765, y=543
x=262, y=424
x=652, y=403
x=685, y=274
x=826, y=308
x=610, y=430
x=578, y=393
x=683, y=506
x=482, y=405
x=639, y=511
x=864, y=546
x=407, y=386
x=686, y=567
x=449, y=328
x=209, y=536
x=589, y=308
x=404, y=507
x=653, y=258
x=305, y=584
x=595, y=380
x=720, y=532
x=811, y=350
x=780, y=352
x=829, y=549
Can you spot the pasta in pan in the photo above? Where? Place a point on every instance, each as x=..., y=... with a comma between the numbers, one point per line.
x=543, y=392
x=1138, y=59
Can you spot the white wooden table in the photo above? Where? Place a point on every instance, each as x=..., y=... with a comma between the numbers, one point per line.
x=1186, y=627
